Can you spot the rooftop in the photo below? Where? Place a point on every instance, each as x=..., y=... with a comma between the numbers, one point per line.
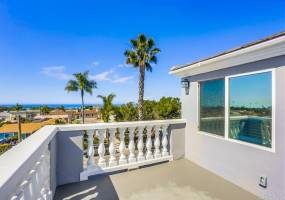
x=26, y=127
x=266, y=39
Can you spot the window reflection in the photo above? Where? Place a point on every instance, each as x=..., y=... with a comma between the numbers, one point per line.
x=212, y=106
x=250, y=104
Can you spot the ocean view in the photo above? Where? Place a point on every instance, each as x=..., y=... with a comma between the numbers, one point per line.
x=66, y=106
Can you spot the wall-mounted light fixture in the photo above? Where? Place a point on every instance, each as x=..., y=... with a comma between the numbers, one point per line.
x=185, y=84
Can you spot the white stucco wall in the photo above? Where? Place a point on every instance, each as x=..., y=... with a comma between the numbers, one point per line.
x=238, y=163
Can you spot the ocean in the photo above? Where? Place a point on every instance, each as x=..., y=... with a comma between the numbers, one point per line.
x=31, y=106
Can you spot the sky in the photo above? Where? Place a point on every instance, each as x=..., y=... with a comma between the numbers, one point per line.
x=42, y=43
x=252, y=91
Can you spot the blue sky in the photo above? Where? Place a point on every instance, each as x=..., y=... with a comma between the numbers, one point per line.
x=43, y=42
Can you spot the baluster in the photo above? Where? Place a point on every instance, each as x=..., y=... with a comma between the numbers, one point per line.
x=90, y=162
x=164, y=141
x=140, y=144
x=25, y=188
x=32, y=184
x=123, y=159
x=149, y=154
x=112, y=150
x=101, y=149
x=37, y=176
x=157, y=153
x=132, y=157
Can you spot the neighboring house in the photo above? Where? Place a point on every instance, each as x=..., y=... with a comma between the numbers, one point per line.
x=26, y=114
x=6, y=116
x=234, y=106
x=91, y=116
x=9, y=130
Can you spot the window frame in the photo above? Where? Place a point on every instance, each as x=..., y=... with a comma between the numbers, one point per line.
x=227, y=109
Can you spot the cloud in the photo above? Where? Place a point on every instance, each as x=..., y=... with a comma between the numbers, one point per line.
x=123, y=65
x=122, y=79
x=57, y=72
x=95, y=63
x=104, y=76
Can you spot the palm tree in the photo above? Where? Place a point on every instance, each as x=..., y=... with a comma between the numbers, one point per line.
x=45, y=110
x=82, y=84
x=107, y=109
x=141, y=55
x=18, y=108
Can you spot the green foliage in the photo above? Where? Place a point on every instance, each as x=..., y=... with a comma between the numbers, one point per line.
x=108, y=109
x=82, y=84
x=61, y=108
x=169, y=108
x=142, y=53
x=59, y=121
x=165, y=108
x=17, y=107
x=126, y=112
x=45, y=110
x=4, y=148
x=150, y=110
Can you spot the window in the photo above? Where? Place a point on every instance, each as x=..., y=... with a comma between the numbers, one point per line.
x=250, y=108
x=212, y=107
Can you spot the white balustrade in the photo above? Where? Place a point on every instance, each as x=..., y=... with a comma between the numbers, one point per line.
x=36, y=185
x=91, y=152
x=123, y=158
x=157, y=152
x=112, y=150
x=34, y=179
x=141, y=156
x=131, y=147
x=101, y=149
x=149, y=154
x=164, y=141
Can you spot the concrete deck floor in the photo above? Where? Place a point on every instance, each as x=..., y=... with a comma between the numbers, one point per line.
x=179, y=179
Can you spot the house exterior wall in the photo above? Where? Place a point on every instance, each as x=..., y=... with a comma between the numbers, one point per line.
x=241, y=164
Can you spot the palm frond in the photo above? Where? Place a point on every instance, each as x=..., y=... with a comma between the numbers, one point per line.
x=72, y=86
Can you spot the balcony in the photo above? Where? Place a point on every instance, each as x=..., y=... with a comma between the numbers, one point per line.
x=126, y=160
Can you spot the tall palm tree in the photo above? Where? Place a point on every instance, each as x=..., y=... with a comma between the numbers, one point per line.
x=141, y=55
x=107, y=109
x=18, y=108
x=82, y=84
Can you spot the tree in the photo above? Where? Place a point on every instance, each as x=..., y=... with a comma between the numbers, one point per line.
x=141, y=55
x=61, y=107
x=18, y=108
x=45, y=110
x=82, y=84
x=169, y=108
x=126, y=112
x=108, y=109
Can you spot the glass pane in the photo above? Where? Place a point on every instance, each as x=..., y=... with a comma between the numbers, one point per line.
x=250, y=108
x=212, y=106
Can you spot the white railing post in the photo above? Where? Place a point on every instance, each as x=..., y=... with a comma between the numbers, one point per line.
x=101, y=148
x=157, y=153
x=164, y=141
x=112, y=150
x=123, y=159
x=90, y=139
x=140, y=144
x=149, y=154
x=131, y=147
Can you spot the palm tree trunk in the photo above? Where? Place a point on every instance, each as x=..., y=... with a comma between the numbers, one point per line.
x=19, y=129
x=141, y=92
x=82, y=106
